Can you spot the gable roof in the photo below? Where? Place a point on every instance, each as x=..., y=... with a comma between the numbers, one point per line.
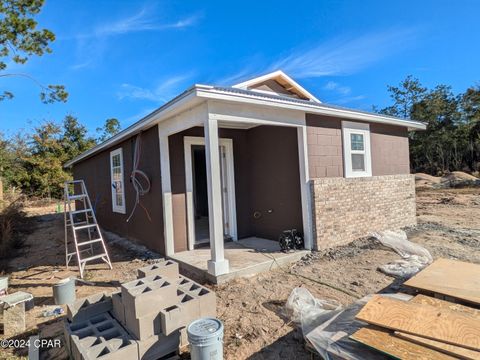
x=199, y=93
x=283, y=80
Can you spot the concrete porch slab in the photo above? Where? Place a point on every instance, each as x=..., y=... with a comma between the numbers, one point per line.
x=247, y=257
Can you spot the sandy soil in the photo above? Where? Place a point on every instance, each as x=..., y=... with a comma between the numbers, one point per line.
x=252, y=309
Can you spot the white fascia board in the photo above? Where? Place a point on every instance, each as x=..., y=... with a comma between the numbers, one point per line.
x=210, y=93
x=273, y=75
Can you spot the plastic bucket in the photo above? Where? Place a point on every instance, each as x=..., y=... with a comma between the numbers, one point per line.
x=64, y=291
x=206, y=339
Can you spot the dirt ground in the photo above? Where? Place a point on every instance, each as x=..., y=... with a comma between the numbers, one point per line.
x=252, y=309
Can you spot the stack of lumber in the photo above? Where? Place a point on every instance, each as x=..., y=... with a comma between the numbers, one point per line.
x=427, y=327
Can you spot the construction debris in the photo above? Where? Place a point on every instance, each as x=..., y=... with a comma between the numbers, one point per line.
x=403, y=326
x=451, y=279
x=146, y=319
x=13, y=309
x=414, y=256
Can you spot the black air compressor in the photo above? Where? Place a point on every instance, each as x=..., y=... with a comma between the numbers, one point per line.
x=290, y=240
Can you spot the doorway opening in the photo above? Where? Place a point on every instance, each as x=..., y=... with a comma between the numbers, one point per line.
x=200, y=194
x=197, y=190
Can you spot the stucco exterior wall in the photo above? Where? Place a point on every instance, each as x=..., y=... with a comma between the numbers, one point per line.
x=389, y=148
x=95, y=171
x=324, y=146
x=390, y=152
x=348, y=209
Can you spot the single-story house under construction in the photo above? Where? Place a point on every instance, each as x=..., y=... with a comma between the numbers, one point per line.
x=248, y=162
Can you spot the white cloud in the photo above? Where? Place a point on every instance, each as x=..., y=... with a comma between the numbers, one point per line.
x=348, y=99
x=336, y=87
x=143, y=20
x=164, y=91
x=343, y=56
x=91, y=45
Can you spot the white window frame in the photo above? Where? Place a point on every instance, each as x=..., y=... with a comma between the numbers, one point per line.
x=349, y=128
x=117, y=208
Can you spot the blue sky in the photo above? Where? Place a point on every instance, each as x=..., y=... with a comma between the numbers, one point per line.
x=124, y=59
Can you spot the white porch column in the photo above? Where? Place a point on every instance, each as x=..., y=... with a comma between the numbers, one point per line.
x=218, y=265
x=305, y=187
x=166, y=193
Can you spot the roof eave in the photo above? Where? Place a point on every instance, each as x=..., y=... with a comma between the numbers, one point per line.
x=313, y=108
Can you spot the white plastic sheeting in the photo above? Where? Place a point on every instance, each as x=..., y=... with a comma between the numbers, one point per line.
x=414, y=256
x=328, y=326
x=307, y=311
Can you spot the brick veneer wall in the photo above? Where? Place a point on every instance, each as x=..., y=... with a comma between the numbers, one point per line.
x=345, y=209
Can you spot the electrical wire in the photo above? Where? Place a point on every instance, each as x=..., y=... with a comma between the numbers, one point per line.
x=140, y=181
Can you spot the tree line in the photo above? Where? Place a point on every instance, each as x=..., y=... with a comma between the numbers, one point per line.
x=33, y=163
x=452, y=138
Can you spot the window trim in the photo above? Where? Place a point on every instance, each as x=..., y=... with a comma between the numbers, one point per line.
x=116, y=208
x=349, y=128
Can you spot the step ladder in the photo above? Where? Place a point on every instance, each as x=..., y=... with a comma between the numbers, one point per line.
x=79, y=221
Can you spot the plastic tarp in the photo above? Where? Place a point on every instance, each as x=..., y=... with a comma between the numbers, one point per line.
x=414, y=257
x=328, y=326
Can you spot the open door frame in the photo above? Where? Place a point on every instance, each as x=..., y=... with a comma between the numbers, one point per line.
x=188, y=141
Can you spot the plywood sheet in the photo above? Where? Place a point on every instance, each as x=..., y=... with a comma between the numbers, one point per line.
x=457, y=351
x=453, y=278
x=442, y=304
x=423, y=320
x=440, y=346
x=383, y=341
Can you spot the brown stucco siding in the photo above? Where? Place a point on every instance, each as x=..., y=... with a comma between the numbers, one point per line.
x=324, y=145
x=390, y=151
x=389, y=148
x=274, y=179
x=95, y=171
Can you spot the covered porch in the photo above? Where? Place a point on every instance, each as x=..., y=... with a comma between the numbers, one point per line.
x=256, y=186
x=246, y=257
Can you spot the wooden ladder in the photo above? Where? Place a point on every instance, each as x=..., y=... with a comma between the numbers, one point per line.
x=87, y=221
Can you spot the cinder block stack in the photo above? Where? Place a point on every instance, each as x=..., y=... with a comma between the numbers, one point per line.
x=150, y=315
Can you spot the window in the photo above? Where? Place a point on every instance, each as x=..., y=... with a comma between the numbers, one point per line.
x=116, y=172
x=356, y=149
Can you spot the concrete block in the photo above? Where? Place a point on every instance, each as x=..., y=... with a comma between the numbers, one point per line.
x=206, y=297
x=118, y=308
x=180, y=315
x=100, y=337
x=167, y=269
x=85, y=308
x=158, y=346
x=13, y=319
x=145, y=326
x=147, y=295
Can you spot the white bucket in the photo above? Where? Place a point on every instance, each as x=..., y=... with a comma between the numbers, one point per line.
x=206, y=339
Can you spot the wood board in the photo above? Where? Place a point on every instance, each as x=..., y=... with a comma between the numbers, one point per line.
x=423, y=320
x=442, y=304
x=382, y=340
x=456, y=351
x=453, y=278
